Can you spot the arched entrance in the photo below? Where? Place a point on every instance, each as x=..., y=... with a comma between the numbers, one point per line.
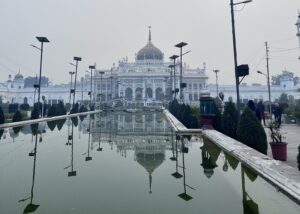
x=159, y=94
x=138, y=94
x=169, y=93
x=149, y=93
x=128, y=94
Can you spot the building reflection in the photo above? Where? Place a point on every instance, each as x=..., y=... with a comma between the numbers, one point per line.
x=72, y=172
x=185, y=196
x=210, y=154
x=31, y=207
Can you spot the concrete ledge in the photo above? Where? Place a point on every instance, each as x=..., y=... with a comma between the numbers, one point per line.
x=279, y=174
x=45, y=119
x=177, y=125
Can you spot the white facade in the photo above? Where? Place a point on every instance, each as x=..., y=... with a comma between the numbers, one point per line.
x=148, y=80
x=13, y=91
x=259, y=92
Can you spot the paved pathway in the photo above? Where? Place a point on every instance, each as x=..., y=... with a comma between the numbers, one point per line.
x=292, y=134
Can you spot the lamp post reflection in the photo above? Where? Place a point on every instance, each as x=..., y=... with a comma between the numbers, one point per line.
x=88, y=157
x=184, y=195
x=176, y=174
x=31, y=207
x=173, y=158
x=72, y=172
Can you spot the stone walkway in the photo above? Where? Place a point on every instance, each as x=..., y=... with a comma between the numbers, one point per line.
x=292, y=134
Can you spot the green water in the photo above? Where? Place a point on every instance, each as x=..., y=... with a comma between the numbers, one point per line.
x=126, y=163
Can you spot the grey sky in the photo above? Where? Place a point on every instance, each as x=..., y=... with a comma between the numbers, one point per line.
x=104, y=31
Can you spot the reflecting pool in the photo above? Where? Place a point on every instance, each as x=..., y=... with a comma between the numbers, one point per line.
x=125, y=163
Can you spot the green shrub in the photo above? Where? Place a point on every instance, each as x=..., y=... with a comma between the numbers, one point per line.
x=83, y=109
x=35, y=112
x=2, y=118
x=24, y=107
x=51, y=125
x=217, y=121
x=74, y=121
x=60, y=123
x=230, y=120
x=251, y=133
x=61, y=109
x=12, y=108
x=52, y=111
x=75, y=109
x=17, y=117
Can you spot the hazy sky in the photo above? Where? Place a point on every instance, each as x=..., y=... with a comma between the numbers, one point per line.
x=104, y=31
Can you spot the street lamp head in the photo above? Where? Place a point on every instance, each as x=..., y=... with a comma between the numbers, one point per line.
x=171, y=66
x=76, y=58
x=174, y=57
x=42, y=39
x=101, y=72
x=71, y=72
x=92, y=67
x=242, y=2
x=216, y=71
x=181, y=44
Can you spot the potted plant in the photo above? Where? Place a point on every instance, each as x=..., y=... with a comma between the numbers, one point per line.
x=278, y=147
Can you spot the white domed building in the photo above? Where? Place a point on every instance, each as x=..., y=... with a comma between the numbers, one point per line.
x=147, y=80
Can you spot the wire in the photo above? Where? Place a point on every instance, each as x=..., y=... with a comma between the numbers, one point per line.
x=284, y=50
x=259, y=63
x=282, y=40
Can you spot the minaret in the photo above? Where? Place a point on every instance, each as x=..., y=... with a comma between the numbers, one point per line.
x=298, y=28
x=149, y=40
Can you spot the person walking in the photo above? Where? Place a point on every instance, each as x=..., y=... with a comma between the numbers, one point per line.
x=261, y=110
x=277, y=113
x=252, y=107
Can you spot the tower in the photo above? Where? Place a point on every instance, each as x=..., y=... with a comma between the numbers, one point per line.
x=298, y=28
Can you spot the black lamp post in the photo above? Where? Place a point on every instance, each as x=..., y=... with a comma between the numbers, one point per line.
x=217, y=86
x=181, y=45
x=42, y=40
x=77, y=59
x=91, y=67
x=237, y=79
x=174, y=57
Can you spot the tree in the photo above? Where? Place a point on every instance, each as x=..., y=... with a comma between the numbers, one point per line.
x=217, y=121
x=17, y=117
x=283, y=98
x=24, y=106
x=230, y=120
x=52, y=111
x=61, y=109
x=75, y=109
x=35, y=112
x=251, y=133
x=2, y=118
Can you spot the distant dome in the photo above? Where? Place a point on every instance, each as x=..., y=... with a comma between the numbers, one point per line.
x=150, y=52
x=18, y=76
x=150, y=161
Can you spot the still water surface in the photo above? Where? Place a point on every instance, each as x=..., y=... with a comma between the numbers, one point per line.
x=126, y=163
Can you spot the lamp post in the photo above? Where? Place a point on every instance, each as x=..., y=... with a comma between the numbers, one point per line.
x=217, y=86
x=174, y=57
x=91, y=67
x=269, y=88
x=77, y=59
x=42, y=40
x=71, y=74
x=171, y=80
x=101, y=76
x=181, y=45
x=237, y=80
